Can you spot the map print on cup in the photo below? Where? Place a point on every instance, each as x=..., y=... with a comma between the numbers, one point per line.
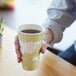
x=29, y=47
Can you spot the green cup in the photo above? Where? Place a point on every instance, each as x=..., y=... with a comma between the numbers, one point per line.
x=30, y=39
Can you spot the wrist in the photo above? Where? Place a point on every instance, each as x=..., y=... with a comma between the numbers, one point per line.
x=48, y=36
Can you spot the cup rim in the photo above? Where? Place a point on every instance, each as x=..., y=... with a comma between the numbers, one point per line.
x=19, y=31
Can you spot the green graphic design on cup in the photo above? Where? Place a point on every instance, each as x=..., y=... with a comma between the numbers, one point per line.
x=30, y=39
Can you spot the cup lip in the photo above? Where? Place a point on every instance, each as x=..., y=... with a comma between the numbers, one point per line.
x=19, y=31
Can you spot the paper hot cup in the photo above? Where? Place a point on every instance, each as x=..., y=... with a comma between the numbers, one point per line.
x=30, y=39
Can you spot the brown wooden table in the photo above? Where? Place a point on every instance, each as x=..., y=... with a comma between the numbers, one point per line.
x=50, y=64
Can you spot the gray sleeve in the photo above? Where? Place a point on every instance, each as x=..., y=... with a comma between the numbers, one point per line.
x=59, y=17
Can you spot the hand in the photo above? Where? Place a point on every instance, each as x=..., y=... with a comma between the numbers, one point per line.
x=48, y=37
x=17, y=49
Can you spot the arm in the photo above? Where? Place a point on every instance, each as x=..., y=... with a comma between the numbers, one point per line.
x=59, y=17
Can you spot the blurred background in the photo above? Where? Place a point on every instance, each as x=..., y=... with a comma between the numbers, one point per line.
x=35, y=11
x=25, y=11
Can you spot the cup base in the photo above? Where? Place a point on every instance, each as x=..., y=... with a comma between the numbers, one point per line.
x=27, y=69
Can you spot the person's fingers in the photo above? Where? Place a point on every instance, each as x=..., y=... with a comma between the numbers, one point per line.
x=17, y=49
x=16, y=42
x=43, y=48
x=19, y=56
